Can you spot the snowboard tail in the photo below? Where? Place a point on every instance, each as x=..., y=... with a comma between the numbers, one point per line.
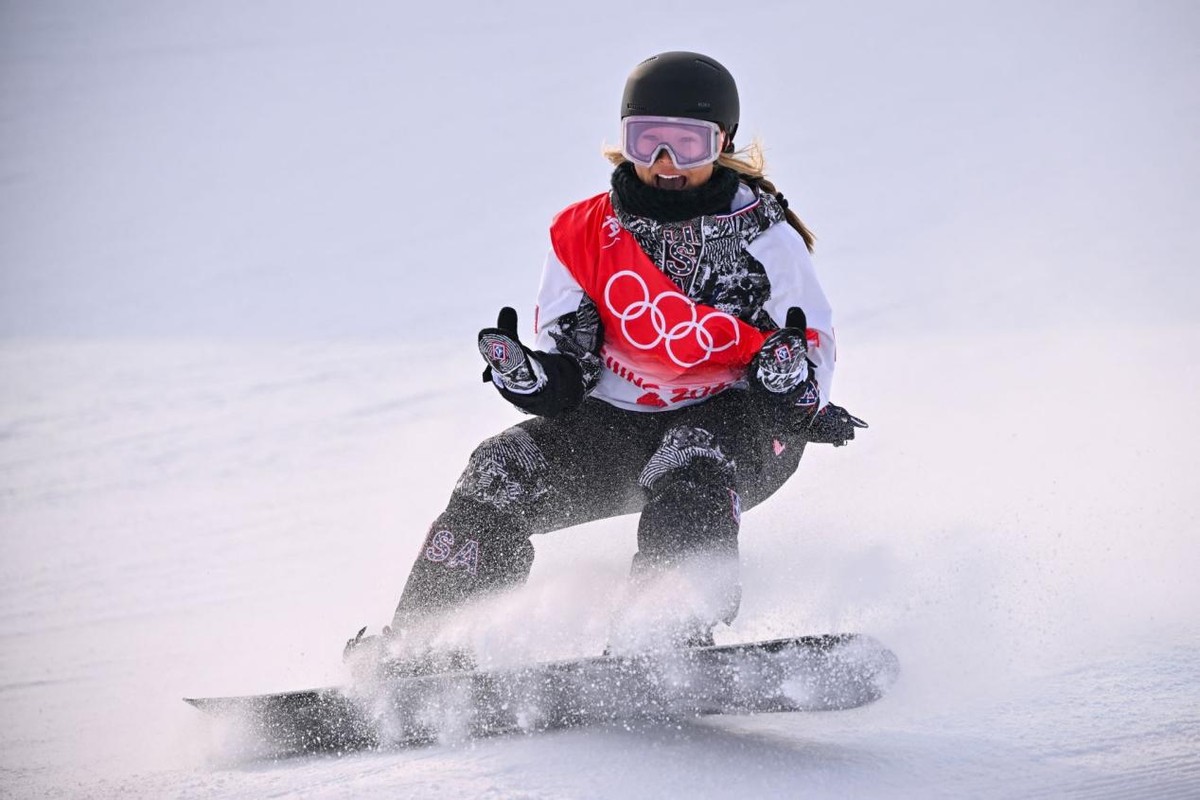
x=327, y=720
x=809, y=673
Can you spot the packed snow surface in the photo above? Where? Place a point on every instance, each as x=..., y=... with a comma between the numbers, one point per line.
x=244, y=251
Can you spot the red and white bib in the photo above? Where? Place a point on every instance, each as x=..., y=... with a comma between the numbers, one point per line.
x=673, y=349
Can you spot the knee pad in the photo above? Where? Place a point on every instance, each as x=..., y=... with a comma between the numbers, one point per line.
x=505, y=471
x=689, y=453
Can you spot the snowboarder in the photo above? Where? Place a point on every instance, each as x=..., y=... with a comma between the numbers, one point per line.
x=684, y=357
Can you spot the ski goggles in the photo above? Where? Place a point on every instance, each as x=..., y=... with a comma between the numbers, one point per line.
x=690, y=142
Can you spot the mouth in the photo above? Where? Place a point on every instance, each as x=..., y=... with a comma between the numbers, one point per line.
x=672, y=182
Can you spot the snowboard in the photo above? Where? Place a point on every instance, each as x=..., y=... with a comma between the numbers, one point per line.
x=808, y=673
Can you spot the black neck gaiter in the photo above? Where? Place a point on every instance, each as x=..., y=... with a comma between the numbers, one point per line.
x=714, y=196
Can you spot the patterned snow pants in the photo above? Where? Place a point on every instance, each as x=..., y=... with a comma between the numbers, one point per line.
x=689, y=472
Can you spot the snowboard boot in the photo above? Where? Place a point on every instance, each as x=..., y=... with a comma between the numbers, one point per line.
x=700, y=636
x=430, y=662
x=389, y=656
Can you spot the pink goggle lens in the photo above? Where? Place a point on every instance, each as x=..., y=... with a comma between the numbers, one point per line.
x=690, y=142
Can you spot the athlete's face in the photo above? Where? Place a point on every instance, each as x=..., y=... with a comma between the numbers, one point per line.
x=663, y=174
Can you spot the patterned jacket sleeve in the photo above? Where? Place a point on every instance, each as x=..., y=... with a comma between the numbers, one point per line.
x=567, y=321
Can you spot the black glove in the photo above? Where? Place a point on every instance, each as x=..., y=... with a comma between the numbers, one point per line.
x=833, y=425
x=781, y=369
x=546, y=384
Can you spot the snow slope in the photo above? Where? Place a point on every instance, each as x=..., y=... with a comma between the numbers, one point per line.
x=228, y=406
x=216, y=519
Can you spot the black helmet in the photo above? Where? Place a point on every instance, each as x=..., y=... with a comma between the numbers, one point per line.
x=683, y=84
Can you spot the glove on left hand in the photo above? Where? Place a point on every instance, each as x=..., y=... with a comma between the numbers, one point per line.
x=781, y=368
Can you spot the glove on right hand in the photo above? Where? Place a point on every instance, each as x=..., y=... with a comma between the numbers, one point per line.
x=546, y=384
x=510, y=365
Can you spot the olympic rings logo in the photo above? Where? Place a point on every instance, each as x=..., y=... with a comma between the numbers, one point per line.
x=673, y=318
